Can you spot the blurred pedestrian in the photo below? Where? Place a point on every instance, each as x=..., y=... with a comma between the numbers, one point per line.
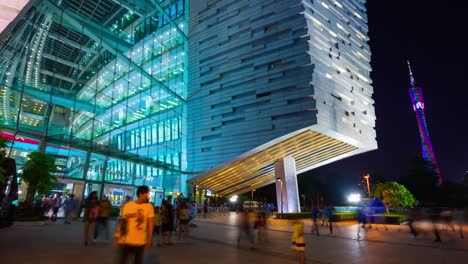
x=192, y=212
x=175, y=205
x=105, y=208
x=362, y=220
x=462, y=218
x=183, y=219
x=447, y=218
x=205, y=209
x=259, y=225
x=413, y=216
x=435, y=216
x=91, y=215
x=323, y=216
x=157, y=225
x=56, y=203
x=315, y=216
x=298, y=242
x=70, y=205
x=138, y=216
x=330, y=219
x=245, y=228
x=167, y=220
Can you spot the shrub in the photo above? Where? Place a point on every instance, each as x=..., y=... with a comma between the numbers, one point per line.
x=341, y=216
x=25, y=209
x=291, y=216
x=344, y=216
x=389, y=219
x=31, y=218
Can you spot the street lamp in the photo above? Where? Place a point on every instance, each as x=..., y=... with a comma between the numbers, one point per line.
x=354, y=198
x=281, y=192
x=368, y=185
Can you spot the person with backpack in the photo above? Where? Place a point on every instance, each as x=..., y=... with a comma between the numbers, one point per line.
x=91, y=215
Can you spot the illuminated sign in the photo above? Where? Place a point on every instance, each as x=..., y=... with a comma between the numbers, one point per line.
x=418, y=105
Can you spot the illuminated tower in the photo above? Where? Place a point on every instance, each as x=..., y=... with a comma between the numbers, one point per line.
x=418, y=107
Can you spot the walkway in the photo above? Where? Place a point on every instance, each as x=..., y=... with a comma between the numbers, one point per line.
x=214, y=240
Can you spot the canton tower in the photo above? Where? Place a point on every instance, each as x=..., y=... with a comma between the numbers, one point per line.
x=418, y=107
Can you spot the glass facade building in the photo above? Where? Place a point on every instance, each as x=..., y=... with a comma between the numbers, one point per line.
x=102, y=87
x=130, y=92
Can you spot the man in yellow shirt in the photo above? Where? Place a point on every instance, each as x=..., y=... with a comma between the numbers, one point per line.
x=138, y=218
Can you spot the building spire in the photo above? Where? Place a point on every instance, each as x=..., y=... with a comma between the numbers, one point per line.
x=413, y=84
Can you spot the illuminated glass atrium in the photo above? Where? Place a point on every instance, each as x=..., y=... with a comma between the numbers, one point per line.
x=101, y=86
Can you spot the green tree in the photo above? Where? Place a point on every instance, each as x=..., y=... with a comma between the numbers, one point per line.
x=38, y=174
x=3, y=145
x=394, y=194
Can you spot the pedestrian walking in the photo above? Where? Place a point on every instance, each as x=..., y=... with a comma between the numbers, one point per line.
x=329, y=211
x=461, y=216
x=315, y=216
x=362, y=221
x=413, y=216
x=259, y=225
x=435, y=216
x=105, y=208
x=56, y=203
x=297, y=239
x=183, y=219
x=91, y=215
x=167, y=220
x=192, y=212
x=157, y=226
x=70, y=205
x=245, y=228
x=137, y=219
x=205, y=209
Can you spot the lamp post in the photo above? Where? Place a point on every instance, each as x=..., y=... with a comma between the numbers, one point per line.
x=281, y=192
x=368, y=185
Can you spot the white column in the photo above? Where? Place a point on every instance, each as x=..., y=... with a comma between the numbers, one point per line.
x=287, y=194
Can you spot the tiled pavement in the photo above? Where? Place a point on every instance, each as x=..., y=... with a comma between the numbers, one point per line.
x=214, y=240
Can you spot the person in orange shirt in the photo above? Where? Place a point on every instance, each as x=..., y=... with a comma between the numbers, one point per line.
x=137, y=218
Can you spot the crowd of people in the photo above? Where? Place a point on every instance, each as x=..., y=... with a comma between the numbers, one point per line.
x=141, y=223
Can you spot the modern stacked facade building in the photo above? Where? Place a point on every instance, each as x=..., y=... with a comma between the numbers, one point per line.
x=187, y=96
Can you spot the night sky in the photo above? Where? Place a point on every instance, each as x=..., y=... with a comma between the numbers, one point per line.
x=433, y=36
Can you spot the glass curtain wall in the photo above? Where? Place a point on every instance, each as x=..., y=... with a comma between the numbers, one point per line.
x=102, y=86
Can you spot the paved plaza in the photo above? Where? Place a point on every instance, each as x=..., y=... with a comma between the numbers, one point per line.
x=214, y=240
